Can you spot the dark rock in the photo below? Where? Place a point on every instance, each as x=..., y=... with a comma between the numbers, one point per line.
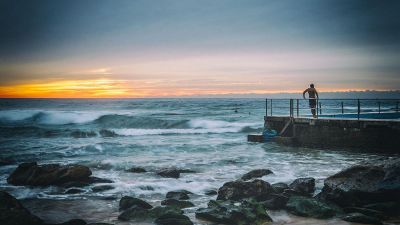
x=178, y=195
x=86, y=182
x=275, y=202
x=13, y=213
x=100, y=224
x=137, y=213
x=290, y=192
x=107, y=133
x=102, y=188
x=74, y=191
x=369, y=183
x=256, y=174
x=177, y=203
x=361, y=218
x=128, y=202
x=211, y=192
x=49, y=174
x=365, y=211
x=173, y=219
x=173, y=172
x=228, y=212
x=236, y=190
x=311, y=207
x=137, y=170
x=279, y=187
x=73, y=222
x=304, y=186
x=388, y=208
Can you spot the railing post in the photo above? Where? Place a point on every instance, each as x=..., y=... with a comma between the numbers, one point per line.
x=297, y=107
x=316, y=107
x=291, y=108
x=320, y=108
x=358, y=109
x=266, y=107
x=271, y=106
x=397, y=106
x=342, y=108
x=379, y=107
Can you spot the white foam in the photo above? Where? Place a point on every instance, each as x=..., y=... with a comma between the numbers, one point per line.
x=139, y=132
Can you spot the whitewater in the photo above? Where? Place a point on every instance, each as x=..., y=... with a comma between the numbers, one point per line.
x=110, y=136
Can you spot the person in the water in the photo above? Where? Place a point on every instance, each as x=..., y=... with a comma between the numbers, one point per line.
x=312, y=96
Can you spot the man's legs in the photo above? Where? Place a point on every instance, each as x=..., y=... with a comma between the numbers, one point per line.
x=313, y=104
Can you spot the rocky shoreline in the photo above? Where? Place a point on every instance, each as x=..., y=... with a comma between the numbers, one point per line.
x=368, y=193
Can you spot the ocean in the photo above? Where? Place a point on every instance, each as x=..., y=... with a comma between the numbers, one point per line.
x=208, y=136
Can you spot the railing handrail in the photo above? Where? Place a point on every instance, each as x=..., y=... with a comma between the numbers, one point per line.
x=317, y=110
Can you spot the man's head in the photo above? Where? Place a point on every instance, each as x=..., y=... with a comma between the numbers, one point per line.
x=311, y=85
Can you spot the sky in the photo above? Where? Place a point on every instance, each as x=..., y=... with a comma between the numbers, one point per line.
x=170, y=48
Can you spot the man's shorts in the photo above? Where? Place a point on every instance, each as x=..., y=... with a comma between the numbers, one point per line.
x=313, y=103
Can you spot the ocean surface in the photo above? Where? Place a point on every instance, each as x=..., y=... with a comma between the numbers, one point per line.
x=110, y=136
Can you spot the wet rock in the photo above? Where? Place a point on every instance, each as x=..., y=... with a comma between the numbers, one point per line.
x=369, y=183
x=387, y=208
x=365, y=211
x=279, y=187
x=73, y=222
x=128, y=202
x=86, y=182
x=256, y=174
x=173, y=172
x=178, y=195
x=177, y=203
x=48, y=174
x=228, y=212
x=236, y=190
x=311, y=207
x=137, y=170
x=173, y=219
x=74, y=191
x=211, y=192
x=13, y=213
x=138, y=213
x=304, y=186
x=361, y=218
x=275, y=202
x=102, y=188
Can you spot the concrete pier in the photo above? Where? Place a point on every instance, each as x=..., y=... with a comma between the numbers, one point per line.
x=378, y=135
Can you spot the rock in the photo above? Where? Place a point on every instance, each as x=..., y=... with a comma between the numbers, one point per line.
x=369, y=183
x=13, y=213
x=365, y=211
x=177, y=203
x=137, y=170
x=137, y=213
x=86, y=182
x=387, y=208
x=102, y=188
x=100, y=224
x=275, y=202
x=361, y=218
x=178, y=195
x=128, y=202
x=73, y=222
x=228, y=212
x=311, y=207
x=256, y=174
x=279, y=187
x=74, y=191
x=236, y=190
x=49, y=174
x=173, y=219
x=211, y=192
x=173, y=172
x=304, y=186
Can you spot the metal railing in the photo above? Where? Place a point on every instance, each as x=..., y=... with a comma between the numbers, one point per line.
x=342, y=108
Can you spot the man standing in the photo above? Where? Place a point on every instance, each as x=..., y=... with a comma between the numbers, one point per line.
x=312, y=96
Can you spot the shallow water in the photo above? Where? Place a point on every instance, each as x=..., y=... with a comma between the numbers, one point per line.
x=204, y=135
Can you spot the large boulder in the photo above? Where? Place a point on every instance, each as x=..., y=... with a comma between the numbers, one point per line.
x=173, y=219
x=13, y=213
x=49, y=174
x=173, y=172
x=236, y=190
x=228, y=212
x=256, y=174
x=140, y=214
x=361, y=218
x=177, y=203
x=178, y=195
x=128, y=202
x=304, y=186
x=274, y=201
x=371, y=182
x=310, y=207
